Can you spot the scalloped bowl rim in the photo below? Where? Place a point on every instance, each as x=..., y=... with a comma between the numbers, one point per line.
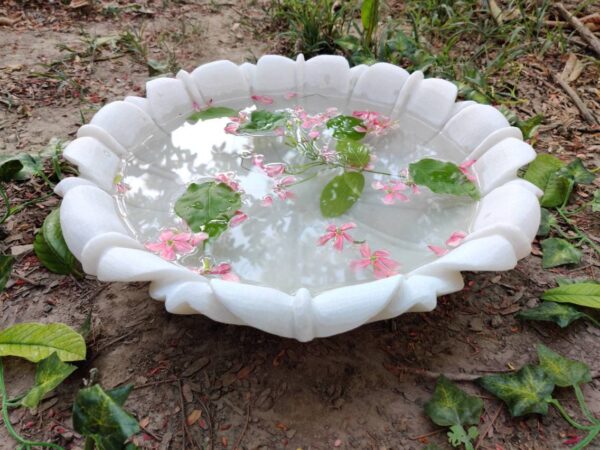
x=504, y=227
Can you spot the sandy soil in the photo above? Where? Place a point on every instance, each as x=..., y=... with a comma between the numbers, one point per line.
x=363, y=389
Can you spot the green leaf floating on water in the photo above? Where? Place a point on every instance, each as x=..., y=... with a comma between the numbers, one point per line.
x=563, y=315
x=208, y=207
x=36, y=341
x=341, y=193
x=100, y=416
x=442, y=178
x=583, y=294
x=353, y=153
x=557, y=251
x=214, y=112
x=563, y=371
x=50, y=246
x=6, y=263
x=343, y=127
x=452, y=406
x=261, y=121
x=49, y=373
x=527, y=391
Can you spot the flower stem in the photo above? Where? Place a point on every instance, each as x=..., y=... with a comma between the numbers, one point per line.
x=23, y=442
x=566, y=416
x=583, y=405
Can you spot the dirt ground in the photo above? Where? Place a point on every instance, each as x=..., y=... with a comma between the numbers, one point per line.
x=364, y=389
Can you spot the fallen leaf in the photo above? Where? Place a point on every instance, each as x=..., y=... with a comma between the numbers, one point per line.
x=193, y=417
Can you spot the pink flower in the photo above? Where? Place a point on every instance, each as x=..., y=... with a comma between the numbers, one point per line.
x=464, y=168
x=314, y=134
x=339, y=234
x=271, y=170
x=290, y=95
x=267, y=201
x=281, y=187
x=228, y=178
x=327, y=154
x=439, y=251
x=232, y=127
x=238, y=218
x=222, y=270
x=279, y=131
x=170, y=243
x=122, y=187
x=373, y=122
x=264, y=99
x=456, y=238
x=383, y=265
x=414, y=188
x=392, y=191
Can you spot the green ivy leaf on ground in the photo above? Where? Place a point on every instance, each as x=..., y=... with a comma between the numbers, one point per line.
x=36, y=341
x=563, y=315
x=596, y=201
x=9, y=169
x=557, y=191
x=49, y=373
x=452, y=406
x=208, y=207
x=50, y=246
x=99, y=417
x=557, y=251
x=214, y=112
x=341, y=193
x=529, y=126
x=583, y=294
x=457, y=436
x=343, y=128
x=6, y=264
x=547, y=222
x=563, y=371
x=527, y=391
x=577, y=171
x=262, y=120
x=353, y=153
x=541, y=168
x=442, y=178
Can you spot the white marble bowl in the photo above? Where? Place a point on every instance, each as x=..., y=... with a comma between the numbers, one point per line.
x=505, y=224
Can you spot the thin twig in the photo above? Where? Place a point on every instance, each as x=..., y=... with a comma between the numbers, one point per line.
x=241, y=436
x=422, y=436
x=585, y=112
x=210, y=428
x=489, y=427
x=183, y=418
x=155, y=383
x=583, y=31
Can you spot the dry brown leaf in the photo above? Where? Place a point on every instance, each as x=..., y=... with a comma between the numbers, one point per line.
x=193, y=417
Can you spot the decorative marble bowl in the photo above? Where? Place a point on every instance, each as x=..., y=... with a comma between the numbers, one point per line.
x=504, y=224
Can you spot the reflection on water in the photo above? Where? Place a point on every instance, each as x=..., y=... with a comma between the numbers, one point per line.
x=277, y=245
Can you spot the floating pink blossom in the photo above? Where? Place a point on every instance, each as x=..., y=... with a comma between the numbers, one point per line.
x=238, y=218
x=383, y=265
x=232, y=127
x=392, y=191
x=271, y=170
x=170, y=243
x=338, y=234
x=290, y=95
x=281, y=187
x=222, y=270
x=464, y=168
x=314, y=134
x=122, y=187
x=456, y=238
x=414, y=188
x=328, y=154
x=263, y=99
x=229, y=179
x=267, y=201
x=373, y=122
x=439, y=251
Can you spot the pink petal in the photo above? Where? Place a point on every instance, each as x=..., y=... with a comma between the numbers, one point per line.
x=467, y=164
x=166, y=235
x=286, y=181
x=348, y=226
x=290, y=95
x=347, y=236
x=264, y=99
x=455, y=238
x=439, y=251
x=195, y=106
x=198, y=237
x=415, y=189
x=181, y=237
x=274, y=170
x=155, y=247
x=168, y=254
x=231, y=128
x=365, y=250
x=258, y=160
x=237, y=219
x=232, y=277
x=359, y=264
x=267, y=201
x=398, y=186
x=182, y=247
x=220, y=269
x=331, y=228
x=279, y=131
x=314, y=134
x=326, y=238
x=378, y=185
x=339, y=243
x=401, y=197
x=389, y=199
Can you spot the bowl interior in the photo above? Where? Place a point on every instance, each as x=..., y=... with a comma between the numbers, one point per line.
x=278, y=245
